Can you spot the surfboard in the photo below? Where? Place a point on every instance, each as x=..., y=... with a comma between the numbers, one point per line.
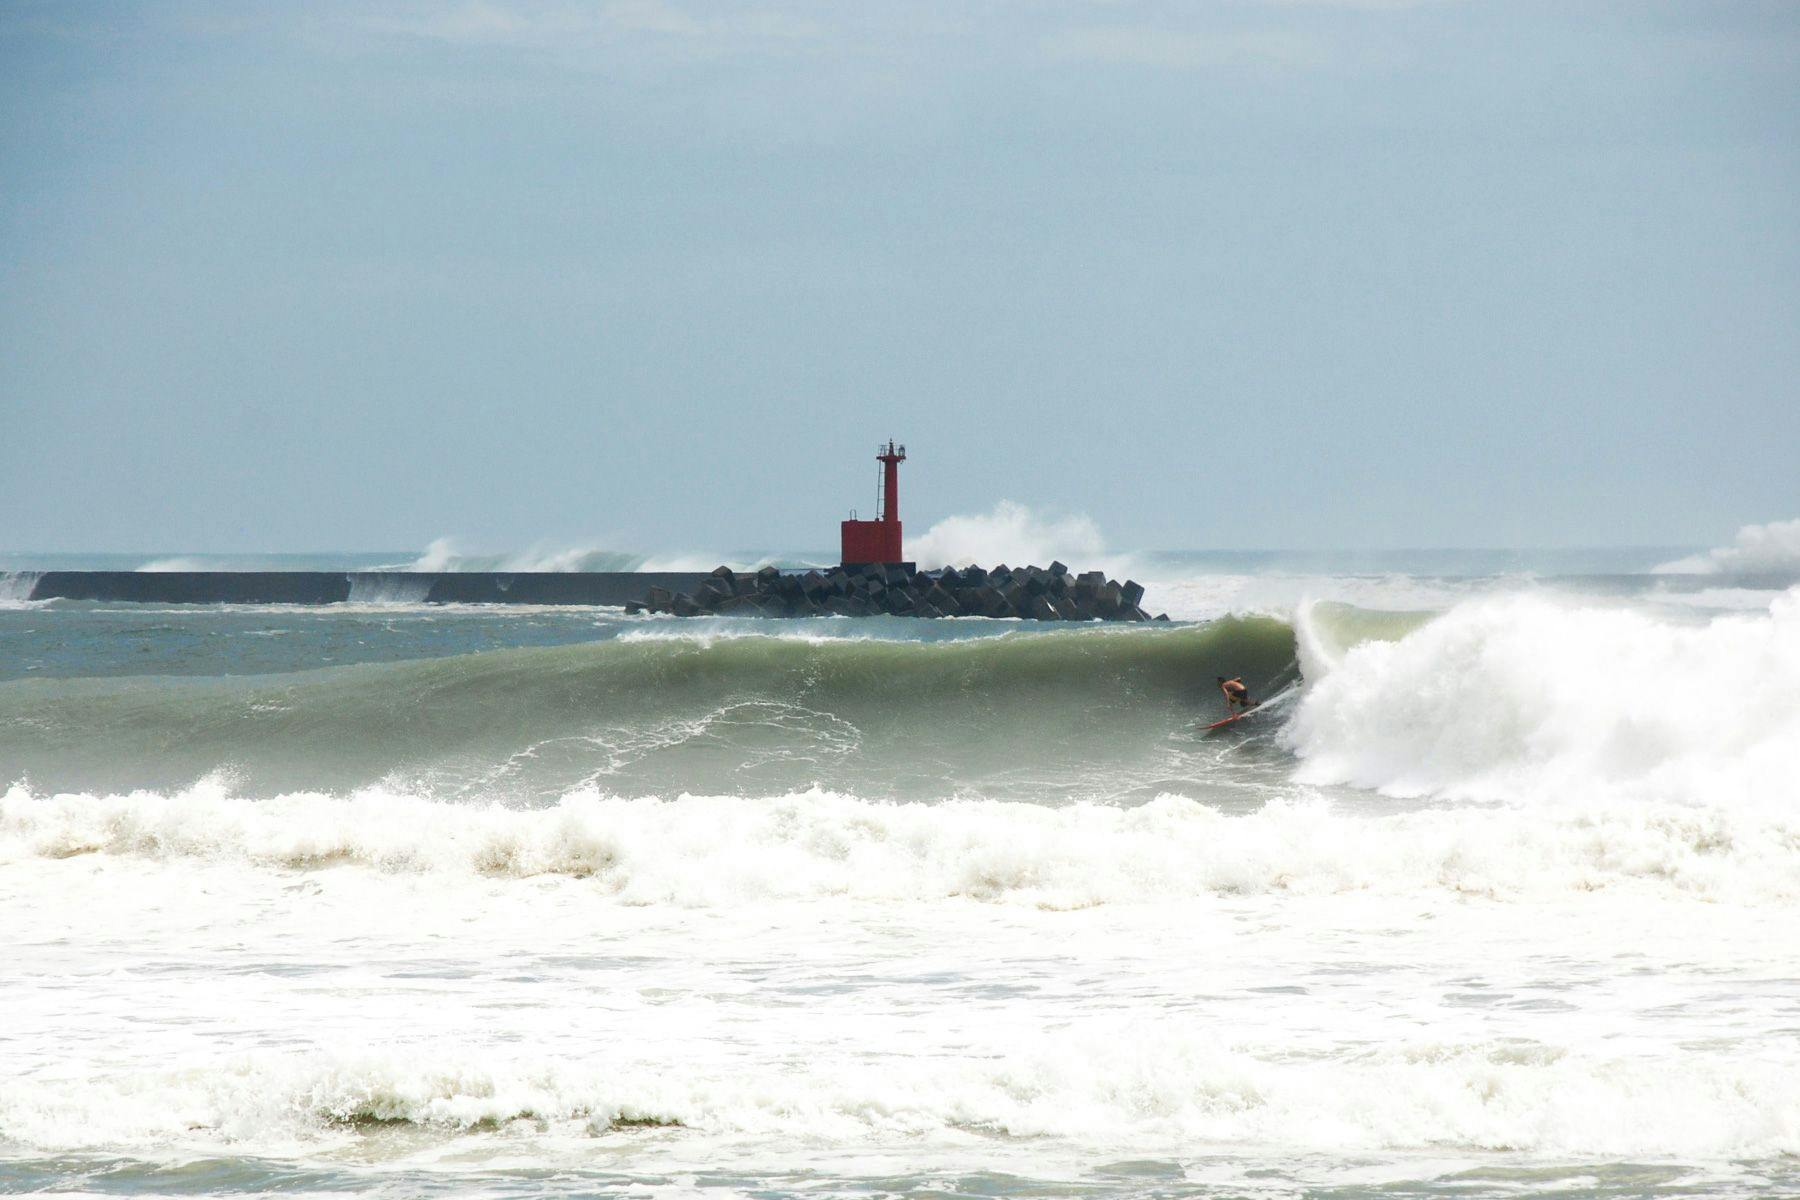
x=1234, y=718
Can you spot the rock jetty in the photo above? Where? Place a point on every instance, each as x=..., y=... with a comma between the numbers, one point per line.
x=897, y=589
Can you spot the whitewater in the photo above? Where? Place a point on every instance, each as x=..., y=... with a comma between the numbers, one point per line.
x=1499, y=899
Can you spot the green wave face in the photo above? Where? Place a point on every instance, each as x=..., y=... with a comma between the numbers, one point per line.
x=1064, y=714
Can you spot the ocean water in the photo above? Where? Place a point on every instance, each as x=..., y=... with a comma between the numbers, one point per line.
x=1498, y=896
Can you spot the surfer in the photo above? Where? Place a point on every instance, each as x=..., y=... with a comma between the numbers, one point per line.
x=1237, y=696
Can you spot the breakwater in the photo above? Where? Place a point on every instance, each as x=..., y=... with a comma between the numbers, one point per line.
x=897, y=589
x=1034, y=593
x=367, y=587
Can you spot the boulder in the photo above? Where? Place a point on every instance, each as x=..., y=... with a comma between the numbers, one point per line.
x=1004, y=606
x=1053, y=593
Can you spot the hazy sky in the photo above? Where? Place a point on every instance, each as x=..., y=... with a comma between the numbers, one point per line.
x=660, y=273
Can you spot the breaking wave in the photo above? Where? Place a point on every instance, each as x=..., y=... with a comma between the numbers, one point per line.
x=1530, y=698
x=748, y=714
x=725, y=850
x=1516, y=698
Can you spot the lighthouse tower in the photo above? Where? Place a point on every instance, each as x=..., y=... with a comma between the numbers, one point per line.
x=878, y=541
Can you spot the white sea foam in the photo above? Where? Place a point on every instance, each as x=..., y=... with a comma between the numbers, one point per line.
x=722, y=851
x=1553, y=701
x=1124, y=1084
x=1715, y=599
x=1774, y=546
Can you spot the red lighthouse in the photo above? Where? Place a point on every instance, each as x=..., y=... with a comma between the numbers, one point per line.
x=878, y=541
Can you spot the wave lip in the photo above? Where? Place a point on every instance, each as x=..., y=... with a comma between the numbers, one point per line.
x=723, y=851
